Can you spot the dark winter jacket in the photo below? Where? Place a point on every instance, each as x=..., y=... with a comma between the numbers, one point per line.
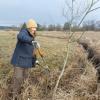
x=23, y=53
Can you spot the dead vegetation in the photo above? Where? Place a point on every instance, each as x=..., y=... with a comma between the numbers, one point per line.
x=78, y=82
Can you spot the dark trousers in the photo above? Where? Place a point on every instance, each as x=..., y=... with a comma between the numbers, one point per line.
x=20, y=74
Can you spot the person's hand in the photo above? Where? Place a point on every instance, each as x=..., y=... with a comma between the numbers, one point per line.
x=37, y=45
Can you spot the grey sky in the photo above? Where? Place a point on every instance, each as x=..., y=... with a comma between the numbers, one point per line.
x=43, y=11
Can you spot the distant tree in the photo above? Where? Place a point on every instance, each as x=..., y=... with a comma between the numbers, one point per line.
x=23, y=26
x=41, y=27
x=44, y=27
x=75, y=28
x=97, y=26
x=66, y=26
x=58, y=27
x=89, y=25
x=51, y=27
x=38, y=27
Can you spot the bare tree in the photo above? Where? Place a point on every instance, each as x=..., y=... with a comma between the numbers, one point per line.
x=73, y=15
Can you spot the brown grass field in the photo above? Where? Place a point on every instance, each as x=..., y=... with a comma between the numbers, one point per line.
x=78, y=82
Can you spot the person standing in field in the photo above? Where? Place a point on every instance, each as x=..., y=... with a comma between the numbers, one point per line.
x=24, y=56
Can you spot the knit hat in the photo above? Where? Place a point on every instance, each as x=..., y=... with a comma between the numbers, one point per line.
x=31, y=23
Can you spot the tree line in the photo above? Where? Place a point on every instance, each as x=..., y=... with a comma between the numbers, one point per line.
x=89, y=25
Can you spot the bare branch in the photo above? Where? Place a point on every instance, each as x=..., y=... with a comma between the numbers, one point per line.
x=67, y=55
x=86, y=13
x=96, y=2
x=65, y=12
x=94, y=9
x=61, y=74
x=67, y=4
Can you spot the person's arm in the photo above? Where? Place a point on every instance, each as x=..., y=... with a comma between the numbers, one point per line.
x=23, y=37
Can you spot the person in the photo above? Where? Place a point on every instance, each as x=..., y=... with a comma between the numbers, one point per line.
x=24, y=56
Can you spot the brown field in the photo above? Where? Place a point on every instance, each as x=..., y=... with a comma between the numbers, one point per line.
x=78, y=82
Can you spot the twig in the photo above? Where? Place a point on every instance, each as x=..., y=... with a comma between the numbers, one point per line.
x=61, y=74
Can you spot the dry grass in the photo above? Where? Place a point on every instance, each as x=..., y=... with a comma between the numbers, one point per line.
x=77, y=83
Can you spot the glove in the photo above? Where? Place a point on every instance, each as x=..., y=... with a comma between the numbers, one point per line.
x=36, y=44
x=37, y=50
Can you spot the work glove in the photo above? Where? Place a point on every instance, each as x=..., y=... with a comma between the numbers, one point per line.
x=37, y=50
x=36, y=44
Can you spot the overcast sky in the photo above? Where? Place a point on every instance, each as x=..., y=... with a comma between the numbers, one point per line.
x=15, y=12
